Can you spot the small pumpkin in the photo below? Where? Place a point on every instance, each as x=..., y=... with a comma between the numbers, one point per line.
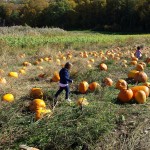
x=55, y=77
x=8, y=97
x=121, y=84
x=82, y=102
x=83, y=87
x=41, y=112
x=108, y=81
x=22, y=71
x=125, y=95
x=139, y=67
x=3, y=80
x=103, y=67
x=36, y=93
x=13, y=74
x=140, y=97
x=133, y=62
x=93, y=86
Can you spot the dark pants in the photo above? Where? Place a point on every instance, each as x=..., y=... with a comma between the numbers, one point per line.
x=66, y=88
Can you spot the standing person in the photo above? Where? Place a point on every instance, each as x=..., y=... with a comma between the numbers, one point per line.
x=64, y=81
x=138, y=52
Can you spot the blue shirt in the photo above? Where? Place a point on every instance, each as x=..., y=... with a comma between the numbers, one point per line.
x=64, y=76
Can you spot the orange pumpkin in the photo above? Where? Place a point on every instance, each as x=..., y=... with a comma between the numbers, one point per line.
x=141, y=77
x=121, y=84
x=132, y=73
x=143, y=88
x=125, y=95
x=108, y=81
x=139, y=67
x=93, y=86
x=143, y=63
x=140, y=97
x=147, y=84
x=36, y=93
x=133, y=62
x=55, y=77
x=83, y=87
x=103, y=67
x=37, y=104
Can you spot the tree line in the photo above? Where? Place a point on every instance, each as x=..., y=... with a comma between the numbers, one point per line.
x=105, y=15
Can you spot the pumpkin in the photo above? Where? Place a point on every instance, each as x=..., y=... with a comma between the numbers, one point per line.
x=125, y=95
x=40, y=60
x=26, y=63
x=22, y=71
x=121, y=84
x=40, y=113
x=133, y=62
x=36, y=62
x=36, y=93
x=82, y=102
x=40, y=67
x=37, y=104
x=139, y=67
x=93, y=86
x=1, y=71
x=103, y=67
x=3, y=81
x=141, y=87
x=141, y=77
x=132, y=73
x=13, y=74
x=108, y=81
x=91, y=60
x=46, y=59
x=147, y=84
x=8, y=98
x=83, y=87
x=140, y=97
x=134, y=58
x=143, y=63
x=55, y=77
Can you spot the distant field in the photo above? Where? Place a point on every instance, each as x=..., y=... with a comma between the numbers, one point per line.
x=30, y=39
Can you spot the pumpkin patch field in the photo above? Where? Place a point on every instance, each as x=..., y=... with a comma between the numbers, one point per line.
x=110, y=93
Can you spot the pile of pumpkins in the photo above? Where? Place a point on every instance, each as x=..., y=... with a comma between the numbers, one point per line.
x=38, y=105
x=138, y=93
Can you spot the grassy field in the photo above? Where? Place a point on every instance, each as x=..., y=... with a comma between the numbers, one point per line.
x=104, y=124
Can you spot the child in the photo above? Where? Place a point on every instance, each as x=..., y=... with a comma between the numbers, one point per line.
x=64, y=80
x=138, y=52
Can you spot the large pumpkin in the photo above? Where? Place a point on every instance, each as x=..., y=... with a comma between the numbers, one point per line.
x=138, y=88
x=36, y=93
x=132, y=73
x=121, y=84
x=8, y=98
x=93, y=86
x=37, y=104
x=141, y=77
x=55, y=77
x=125, y=95
x=103, y=67
x=83, y=87
x=140, y=97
